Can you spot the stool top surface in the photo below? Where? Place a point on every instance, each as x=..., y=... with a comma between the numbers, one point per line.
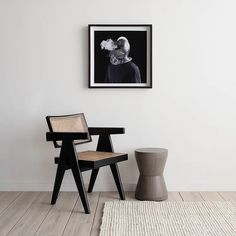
x=151, y=150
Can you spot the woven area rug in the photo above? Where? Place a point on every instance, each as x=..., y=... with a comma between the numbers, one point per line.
x=134, y=218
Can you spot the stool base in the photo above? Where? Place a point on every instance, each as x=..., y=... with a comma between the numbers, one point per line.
x=151, y=188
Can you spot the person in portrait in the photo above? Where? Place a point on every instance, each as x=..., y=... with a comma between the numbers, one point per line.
x=120, y=69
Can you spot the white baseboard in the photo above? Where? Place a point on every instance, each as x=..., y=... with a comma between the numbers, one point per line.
x=101, y=187
x=64, y=187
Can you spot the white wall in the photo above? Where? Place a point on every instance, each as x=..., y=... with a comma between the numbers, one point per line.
x=191, y=109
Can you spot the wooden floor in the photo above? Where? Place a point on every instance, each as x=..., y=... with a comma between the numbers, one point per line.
x=30, y=213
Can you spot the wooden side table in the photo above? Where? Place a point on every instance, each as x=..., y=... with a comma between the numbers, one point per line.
x=151, y=184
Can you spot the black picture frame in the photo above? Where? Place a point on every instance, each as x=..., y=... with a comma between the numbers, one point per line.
x=139, y=37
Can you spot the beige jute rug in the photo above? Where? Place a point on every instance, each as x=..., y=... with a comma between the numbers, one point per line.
x=134, y=218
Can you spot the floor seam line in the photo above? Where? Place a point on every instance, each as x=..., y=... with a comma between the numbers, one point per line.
x=70, y=215
x=27, y=209
x=95, y=214
x=3, y=211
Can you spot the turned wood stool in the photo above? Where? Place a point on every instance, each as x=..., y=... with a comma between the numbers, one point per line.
x=151, y=184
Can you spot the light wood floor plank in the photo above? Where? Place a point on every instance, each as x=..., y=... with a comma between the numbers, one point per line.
x=228, y=196
x=191, y=196
x=130, y=196
x=174, y=196
x=6, y=198
x=211, y=196
x=15, y=211
x=104, y=197
x=34, y=216
x=79, y=222
x=30, y=213
x=56, y=220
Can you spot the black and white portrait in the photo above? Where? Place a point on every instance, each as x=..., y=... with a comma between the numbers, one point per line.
x=120, y=56
x=121, y=68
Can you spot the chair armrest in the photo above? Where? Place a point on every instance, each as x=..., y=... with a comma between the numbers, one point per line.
x=105, y=130
x=66, y=136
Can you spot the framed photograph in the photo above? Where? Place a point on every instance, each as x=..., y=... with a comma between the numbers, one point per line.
x=120, y=56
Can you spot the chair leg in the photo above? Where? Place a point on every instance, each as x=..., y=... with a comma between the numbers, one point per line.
x=116, y=175
x=57, y=184
x=81, y=189
x=92, y=179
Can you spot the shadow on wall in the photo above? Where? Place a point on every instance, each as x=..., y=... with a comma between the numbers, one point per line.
x=83, y=54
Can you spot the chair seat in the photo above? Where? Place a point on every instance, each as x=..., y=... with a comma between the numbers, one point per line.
x=97, y=159
x=93, y=159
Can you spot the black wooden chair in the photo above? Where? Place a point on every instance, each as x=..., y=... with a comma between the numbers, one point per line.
x=70, y=130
